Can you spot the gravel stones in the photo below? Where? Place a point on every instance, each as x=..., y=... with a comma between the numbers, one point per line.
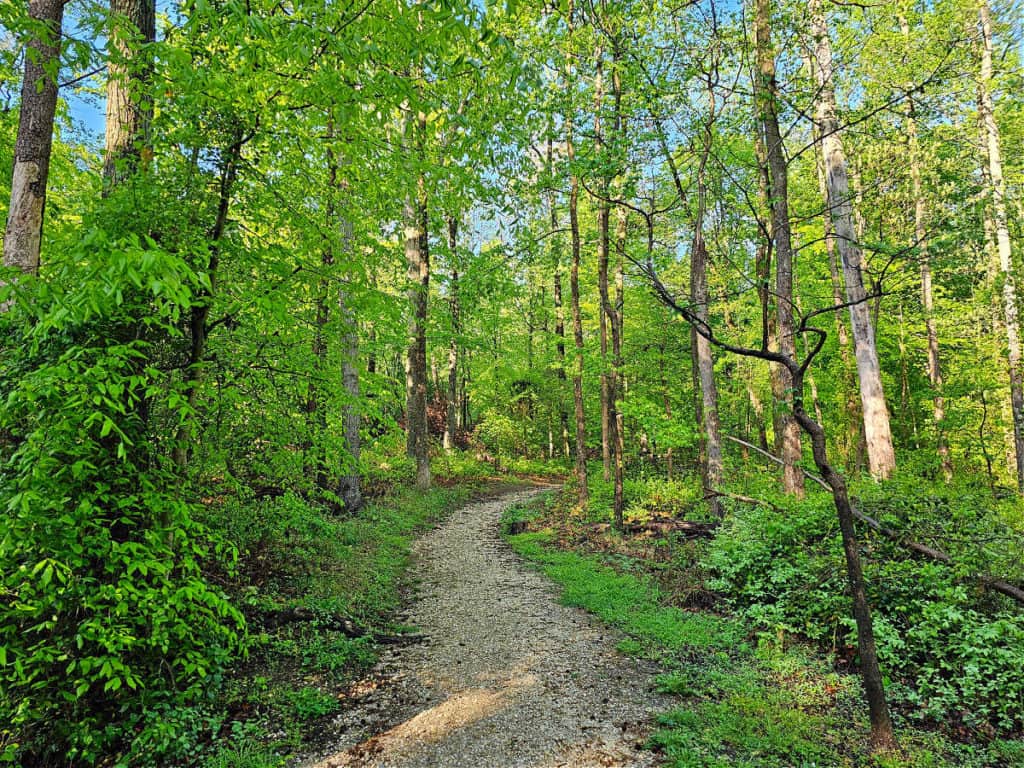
x=507, y=678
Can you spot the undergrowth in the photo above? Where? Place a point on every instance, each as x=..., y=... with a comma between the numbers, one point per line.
x=750, y=693
x=295, y=557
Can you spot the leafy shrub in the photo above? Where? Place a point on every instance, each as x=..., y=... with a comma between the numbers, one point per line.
x=499, y=434
x=670, y=498
x=949, y=649
x=109, y=635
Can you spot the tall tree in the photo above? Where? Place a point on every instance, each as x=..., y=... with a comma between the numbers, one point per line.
x=417, y=256
x=924, y=259
x=712, y=468
x=34, y=143
x=574, y=273
x=129, y=104
x=877, y=432
x=1001, y=230
x=452, y=398
x=767, y=101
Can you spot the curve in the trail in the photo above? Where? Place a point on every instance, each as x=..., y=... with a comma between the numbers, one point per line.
x=507, y=678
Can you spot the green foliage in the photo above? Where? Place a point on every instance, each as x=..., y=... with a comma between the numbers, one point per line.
x=310, y=703
x=499, y=434
x=763, y=705
x=947, y=651
x=109, y=635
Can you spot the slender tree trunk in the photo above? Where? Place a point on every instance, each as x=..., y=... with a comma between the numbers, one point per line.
x=882, y=736
x=33, y=145
x=417, y=256
x=574, y=288
x=453, y=347
x=705, y=363
x=129, y=104
x=200, y=312
x=997, y=198
x=852, y=435
x=667, y=404
x=563, y=417
x=350, y=482
x=767, y=103
x=769, y=318
x=614, y=311
x=350, y=487
x=603, y=215
x=877, y=431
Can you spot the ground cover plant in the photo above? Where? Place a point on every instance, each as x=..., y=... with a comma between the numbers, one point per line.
x=753, y=690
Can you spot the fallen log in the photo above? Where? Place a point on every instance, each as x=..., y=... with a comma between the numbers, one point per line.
x=694, y=529
x=998, y=585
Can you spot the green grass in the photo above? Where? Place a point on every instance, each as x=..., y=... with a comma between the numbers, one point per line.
x=745, y=699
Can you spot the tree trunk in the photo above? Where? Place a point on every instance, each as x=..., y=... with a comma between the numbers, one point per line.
x=417, y=256
x=852, y=435
x=877, y=432
x=882, y=736
x=453, y=346
x=349, y=487
x=574, y=287
x=563, y=417
x=615, y=311
x=778, y=176
x=129, y=103
x=705, y=363
x=603, y=213
x=200, y=311
x=350, y=483
x=997, y=197
x=35, y=139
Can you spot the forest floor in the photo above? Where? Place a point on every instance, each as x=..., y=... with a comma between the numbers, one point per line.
x=505, y=674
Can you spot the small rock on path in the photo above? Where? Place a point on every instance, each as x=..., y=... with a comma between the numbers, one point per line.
x=508, y=677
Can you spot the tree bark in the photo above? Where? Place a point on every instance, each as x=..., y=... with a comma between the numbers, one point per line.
x=705, y=364
x=349, y=483
x=877, y=431
x=417, y=256
x=556, y=259
x=778, y=176
x=200, y=311
x=997, y=205
x=846, y=385
x=129, y=103
x=350, y=486
x=615, y=311
x=453, y=346
x=34, y=143
x=574, y=289
x=882, y=736
x=603, y=214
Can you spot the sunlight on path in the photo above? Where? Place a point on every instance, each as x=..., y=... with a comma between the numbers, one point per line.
x=509, y=678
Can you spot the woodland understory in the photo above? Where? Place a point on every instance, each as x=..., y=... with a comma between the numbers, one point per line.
x=284, y=283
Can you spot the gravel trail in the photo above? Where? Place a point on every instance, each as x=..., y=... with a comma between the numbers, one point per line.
x=506, y=678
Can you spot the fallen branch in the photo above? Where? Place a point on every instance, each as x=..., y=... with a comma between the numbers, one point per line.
x=780, y=462
x=336, y=622
x=999, y=585
x=694, y=529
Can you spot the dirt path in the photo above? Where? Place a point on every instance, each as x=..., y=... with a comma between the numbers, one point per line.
x=507, y=677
